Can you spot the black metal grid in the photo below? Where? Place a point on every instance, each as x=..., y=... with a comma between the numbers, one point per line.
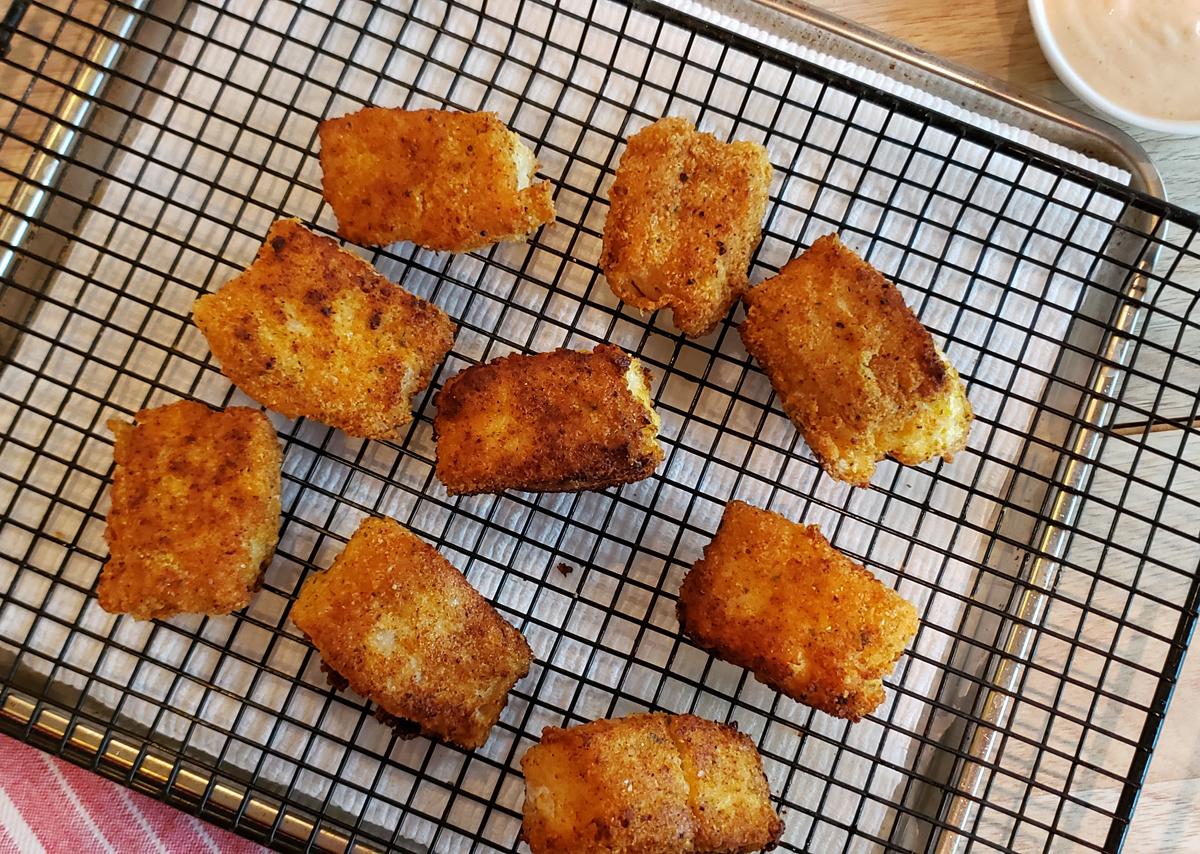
x=1018, y=264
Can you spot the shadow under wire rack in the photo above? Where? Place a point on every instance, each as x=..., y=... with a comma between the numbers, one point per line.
x=1052, y=562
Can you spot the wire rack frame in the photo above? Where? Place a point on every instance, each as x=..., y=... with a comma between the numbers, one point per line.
x=206, y=135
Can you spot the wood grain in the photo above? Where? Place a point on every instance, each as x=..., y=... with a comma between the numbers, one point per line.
x=28, y=100
x=997, y=37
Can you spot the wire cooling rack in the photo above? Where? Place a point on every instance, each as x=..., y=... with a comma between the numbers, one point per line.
x=1053, y=562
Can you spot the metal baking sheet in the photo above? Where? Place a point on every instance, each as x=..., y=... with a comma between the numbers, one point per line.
x=1027, y=261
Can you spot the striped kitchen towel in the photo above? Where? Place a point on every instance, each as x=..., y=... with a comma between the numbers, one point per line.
x=48, y=805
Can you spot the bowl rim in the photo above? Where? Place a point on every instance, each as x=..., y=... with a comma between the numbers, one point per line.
x=1077, y=84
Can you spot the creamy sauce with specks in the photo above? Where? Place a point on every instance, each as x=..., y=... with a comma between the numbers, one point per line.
x=1143, y=55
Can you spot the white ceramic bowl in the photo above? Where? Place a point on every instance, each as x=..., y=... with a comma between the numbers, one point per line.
x=1080, y=86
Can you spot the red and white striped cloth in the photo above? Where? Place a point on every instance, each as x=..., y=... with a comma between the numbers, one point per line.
x=51, y=806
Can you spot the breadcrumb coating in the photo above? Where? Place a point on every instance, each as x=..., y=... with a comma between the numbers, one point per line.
x=406, y=630
x=551, y=422
x=685, y=213
x=647, y=784
x=310, y=329
x=854, y=369
x=775, y=597
x=194, y=519
x=445, y=180
x=727, y=789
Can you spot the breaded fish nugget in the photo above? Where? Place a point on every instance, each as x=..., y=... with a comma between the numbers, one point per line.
x=775, y=597
x=447, y=181
x=406, y=630
x=647, y=784
x=685, y=213
x=551, y=422
x=856, y=372
x=311, y=329
x=195, y=511
x=727, y=789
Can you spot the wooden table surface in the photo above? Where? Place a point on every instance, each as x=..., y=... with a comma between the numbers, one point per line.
x=996, y=37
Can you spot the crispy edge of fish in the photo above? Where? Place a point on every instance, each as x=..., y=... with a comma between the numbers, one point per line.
x=774, y=596
x=194, y=515
x=561, y=421
x=648, y=782
x=445, y=180
x=685, y=215
x=310, y=329
x=854, y=369
x=458, y=642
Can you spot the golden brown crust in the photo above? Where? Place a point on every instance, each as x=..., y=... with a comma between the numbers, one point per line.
x=728, y=790
x=551, y=422
x=445, y=180
x=775, y=597
x=311, y=329
x=609, y=785
x=406, y=630
x=685, y=213
x=854, y=369
x=632, y=785
x=195, y=511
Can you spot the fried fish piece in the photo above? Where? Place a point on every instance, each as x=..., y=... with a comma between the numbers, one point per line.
x=727, y=789
x=647, y=784
x=194, y=519
x=311, y=329
x=775, y=597
x=445, y=180
x=405, y=629
x=685, y=213
x=856, y=372
x=552, y=422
